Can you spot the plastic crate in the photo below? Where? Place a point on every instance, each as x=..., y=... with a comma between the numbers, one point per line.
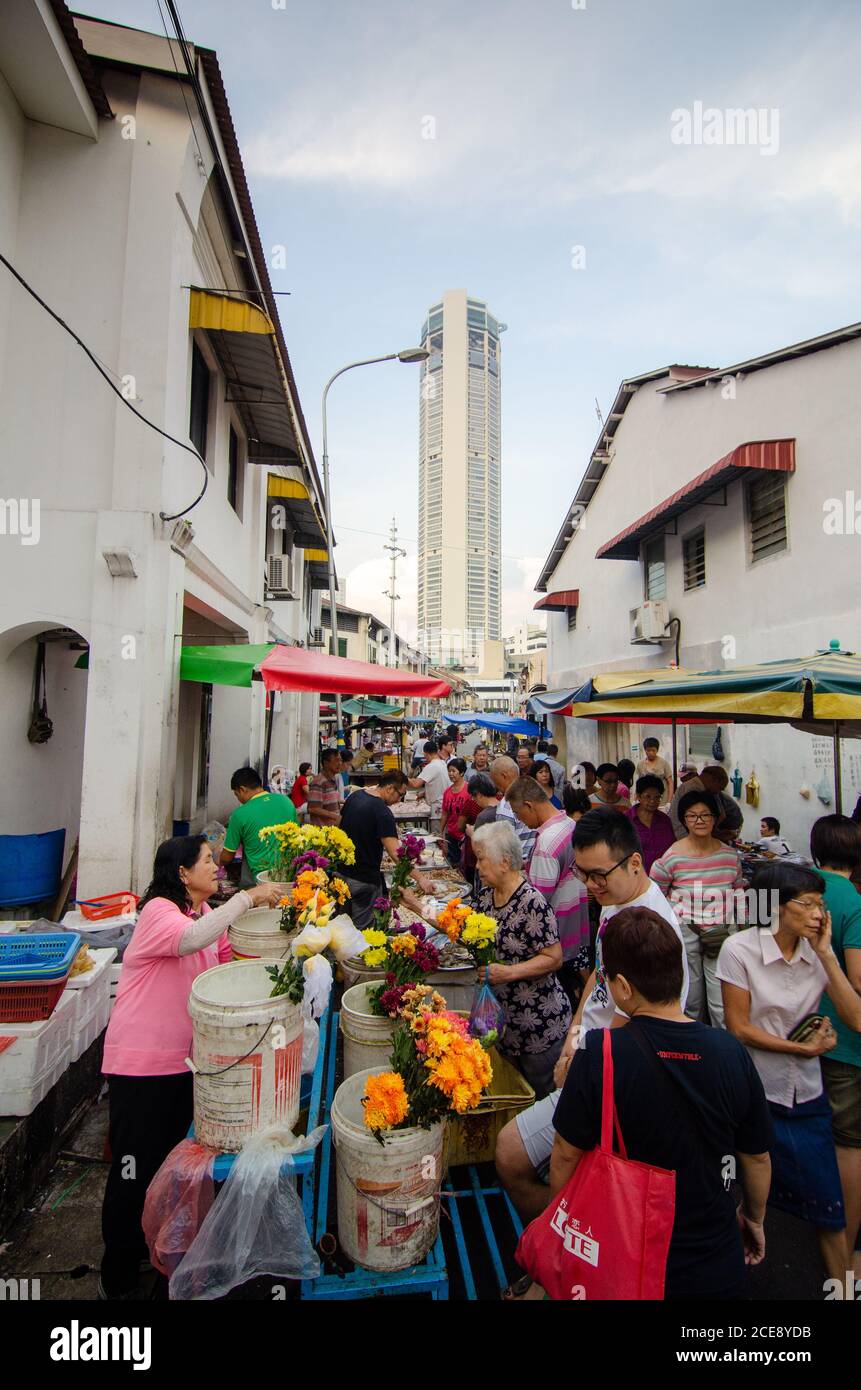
x=22, y=1098
x=29, y=1003
x=111, y=905
x=28, y=1050
x=43, y=957
x=471, y=1138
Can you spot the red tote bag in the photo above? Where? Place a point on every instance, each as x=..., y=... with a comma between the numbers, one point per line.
x=608, y=1233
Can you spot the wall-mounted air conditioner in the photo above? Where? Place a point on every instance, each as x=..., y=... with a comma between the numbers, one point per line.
x=279, y=576
x=649, y=622
x=316, y=638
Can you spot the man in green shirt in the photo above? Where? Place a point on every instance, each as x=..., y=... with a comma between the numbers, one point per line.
x=257, y=808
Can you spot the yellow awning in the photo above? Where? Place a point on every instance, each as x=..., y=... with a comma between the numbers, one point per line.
x=296, y=499
x=243, y=339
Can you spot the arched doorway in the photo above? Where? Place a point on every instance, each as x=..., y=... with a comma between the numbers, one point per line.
x=42, y=780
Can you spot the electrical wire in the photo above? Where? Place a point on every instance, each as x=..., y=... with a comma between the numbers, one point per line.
x=103, y=373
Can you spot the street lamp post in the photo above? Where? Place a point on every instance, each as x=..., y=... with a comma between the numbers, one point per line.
x=406, y=355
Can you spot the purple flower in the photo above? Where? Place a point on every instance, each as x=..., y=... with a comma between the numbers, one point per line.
x=310, y=859
x=382, y=904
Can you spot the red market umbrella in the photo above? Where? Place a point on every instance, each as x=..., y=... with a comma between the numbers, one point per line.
x=296, y=668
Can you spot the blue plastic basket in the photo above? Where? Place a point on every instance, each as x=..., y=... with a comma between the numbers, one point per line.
x=40, y=958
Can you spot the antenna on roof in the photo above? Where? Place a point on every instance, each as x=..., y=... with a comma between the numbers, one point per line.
x=598, y=413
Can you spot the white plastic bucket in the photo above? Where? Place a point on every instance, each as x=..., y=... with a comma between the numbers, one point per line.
x=388, y=1194
x=355, y=972
x=248, y=1054
x=266, y=877
x=367, y=1036
x=257, y=934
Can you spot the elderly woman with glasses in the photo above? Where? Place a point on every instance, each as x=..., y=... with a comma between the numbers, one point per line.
x=773, y=979
x=701, y=877
x=528, y=956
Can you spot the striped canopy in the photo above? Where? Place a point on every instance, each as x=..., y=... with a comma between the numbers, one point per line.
x=826, y=686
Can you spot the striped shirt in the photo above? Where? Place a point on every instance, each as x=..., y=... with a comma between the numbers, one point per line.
x=324, y=794
x=701, y=887
x=524, y=834
x=551, y=871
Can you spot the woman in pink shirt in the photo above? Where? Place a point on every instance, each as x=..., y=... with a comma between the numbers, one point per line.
x=150, y=1088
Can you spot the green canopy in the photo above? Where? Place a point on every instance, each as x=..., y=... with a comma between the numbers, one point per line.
x=231, y=665
x=367, y=709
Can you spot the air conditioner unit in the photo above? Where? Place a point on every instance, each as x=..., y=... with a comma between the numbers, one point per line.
x=279, y=576
x=316, y=638
x=649, y=622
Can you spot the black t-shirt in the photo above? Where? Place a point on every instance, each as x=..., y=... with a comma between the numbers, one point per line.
x=722, y=1086
x=368, y=821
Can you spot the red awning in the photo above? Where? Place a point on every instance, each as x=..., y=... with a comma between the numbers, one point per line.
x=560, y=601
x=770, y=455
x=295, y=668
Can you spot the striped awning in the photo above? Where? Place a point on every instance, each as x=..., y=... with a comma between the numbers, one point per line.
x=296, y=499
x=244, y=341
x=560, y=601
x=769, y=455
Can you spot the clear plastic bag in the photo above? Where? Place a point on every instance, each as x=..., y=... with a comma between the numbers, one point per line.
x=487, y=1016
x=177, y=1202
x=215, y=833
x=257, y=1226
x=310, y=1045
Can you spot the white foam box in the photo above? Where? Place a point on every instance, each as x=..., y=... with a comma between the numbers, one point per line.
x=76, y=921
x=93, y=996
x=20, y=1096
x=29, y=1051
x=115, y=971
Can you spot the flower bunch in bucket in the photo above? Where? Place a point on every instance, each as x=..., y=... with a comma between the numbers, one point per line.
x=323, y=938
x=437, y=1068
x=294, y=848
x=314, y=897
x=406, y=956
x=475, y=931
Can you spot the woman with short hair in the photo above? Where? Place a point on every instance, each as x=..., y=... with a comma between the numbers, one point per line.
x=653, y=825
x=773, y=977
x=485, y=796
x=606, y=791
x=701, y=877
x=528, y=956
x=149, y=1036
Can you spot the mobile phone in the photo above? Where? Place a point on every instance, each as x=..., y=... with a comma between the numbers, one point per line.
x=803, y=1031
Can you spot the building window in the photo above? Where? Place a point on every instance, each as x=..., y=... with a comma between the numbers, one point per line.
x=694, y=559
x=204, y=744
x=700, y=740
x=766, y=515
x=235, y=477
x=655, y=569
x=572, y=619
x=199, y=413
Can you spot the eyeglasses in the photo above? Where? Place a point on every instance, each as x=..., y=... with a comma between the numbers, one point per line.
x=599, y=876
x=808, y=905
x=696, y=816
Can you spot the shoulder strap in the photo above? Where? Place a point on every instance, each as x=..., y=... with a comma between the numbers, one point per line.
x=609, y=1115
x=670, y=1085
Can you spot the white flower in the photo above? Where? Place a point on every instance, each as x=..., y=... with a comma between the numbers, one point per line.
x=311, y=941
x=346, y=939
x=318, y=985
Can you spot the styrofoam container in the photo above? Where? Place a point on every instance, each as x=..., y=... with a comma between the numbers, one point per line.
x=96, y=1024
x=93, y=997
x=20, y=1097
x=35, y=1047
x=76, y=921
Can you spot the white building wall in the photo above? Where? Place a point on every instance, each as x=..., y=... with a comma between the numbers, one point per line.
x=790, y=604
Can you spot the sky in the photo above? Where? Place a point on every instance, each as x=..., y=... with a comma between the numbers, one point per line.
x=532, y=152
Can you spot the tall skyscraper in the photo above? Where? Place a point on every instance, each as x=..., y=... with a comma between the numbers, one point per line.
x=460, y=536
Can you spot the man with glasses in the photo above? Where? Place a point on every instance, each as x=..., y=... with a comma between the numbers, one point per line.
x=609, y=860
x=367, y=819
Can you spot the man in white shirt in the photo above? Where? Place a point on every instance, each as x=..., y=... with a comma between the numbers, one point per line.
x=434, y=781
x=608, y=858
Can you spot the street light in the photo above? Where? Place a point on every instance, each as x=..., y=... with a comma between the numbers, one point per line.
x=413, y=354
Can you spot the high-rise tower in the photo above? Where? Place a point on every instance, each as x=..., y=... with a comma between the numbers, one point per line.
x=459, y=481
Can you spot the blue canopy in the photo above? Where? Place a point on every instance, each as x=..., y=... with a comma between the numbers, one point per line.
x=502, y=723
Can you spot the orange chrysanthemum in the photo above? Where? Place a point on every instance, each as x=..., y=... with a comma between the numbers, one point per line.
x=385, y=1101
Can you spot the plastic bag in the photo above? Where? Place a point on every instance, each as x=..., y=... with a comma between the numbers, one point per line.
x=177, y=1202
x=487, y=1016
x=310, y=1045
x=215, y=833
x=257, y=1226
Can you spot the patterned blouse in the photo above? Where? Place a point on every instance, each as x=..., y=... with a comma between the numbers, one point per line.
x=539, y=1011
